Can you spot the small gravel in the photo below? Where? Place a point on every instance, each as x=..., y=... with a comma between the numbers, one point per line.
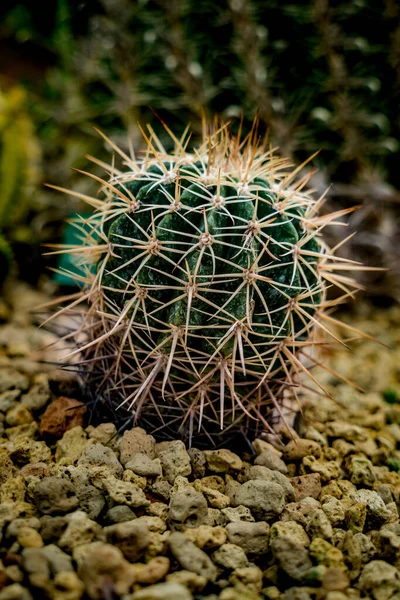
x=89, y=513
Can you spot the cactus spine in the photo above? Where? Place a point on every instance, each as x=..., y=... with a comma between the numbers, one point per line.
x=209, y=282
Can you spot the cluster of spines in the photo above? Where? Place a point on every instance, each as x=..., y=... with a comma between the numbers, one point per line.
x=206, y=364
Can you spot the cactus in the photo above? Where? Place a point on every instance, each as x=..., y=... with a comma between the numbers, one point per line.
x=19, y=152
x=206, y=277
x=6, y=259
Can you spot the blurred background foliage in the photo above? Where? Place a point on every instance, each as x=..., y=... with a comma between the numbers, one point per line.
x=321, y=74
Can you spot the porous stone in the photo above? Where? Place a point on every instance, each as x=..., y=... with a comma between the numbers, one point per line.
x=214, y=498
x=319, y=526
x=175, y=461
x=237, y=514
x=190, y=557
x=263, y=473
x=143, y=465
x=252, y=537
x=52, y=528
x=160, y=488
x=230, y=556
x=222, y=461
x=198, y=462
x=124, y=492
x=158, y=509
x=41, y=564
x=131, y=537
x=265, y=499
x=326, y=554
x=29, y=538
x=361, y=471
x=7, y=468
x=306, y=485
x=163, y=591
x=71, y=445
x=101, y=456
x=12, y=510
x=291, y=557
x=190, y=581
x=334, y=510
x=91, y=500
x=351, y=550
x=119, y=514
x=61, y=415
x=19, y=415
x=356, y=516
x=14, y=527
x=80, y=530
x=15, y=591
x=291, y=530
x=106, y=434
x=152, y=572
x=102, y=563
x=53, y=495
x=377, y=512
x=297, y=449
x=268, y=458
x=335, y=580
x=12, y=379
x=34, y=472
x=328, y=469
x=249, y=579
x=39, y=394
x=187, y=509
x=135, y=441
x=206, y=536
x=67, y=586
x=367, y=548
x=380, y=580
x=13, y=490
x=8, y=400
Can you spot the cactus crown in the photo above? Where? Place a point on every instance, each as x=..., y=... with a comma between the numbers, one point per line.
x=206, y=276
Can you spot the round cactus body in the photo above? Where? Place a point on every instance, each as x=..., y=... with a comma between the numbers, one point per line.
x=206, y=278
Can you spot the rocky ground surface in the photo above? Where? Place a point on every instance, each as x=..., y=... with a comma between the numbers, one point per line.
x=85, y=517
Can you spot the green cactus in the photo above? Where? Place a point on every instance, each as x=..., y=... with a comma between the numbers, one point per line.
x=210, y=276
x=19, y=153
x=6, y=259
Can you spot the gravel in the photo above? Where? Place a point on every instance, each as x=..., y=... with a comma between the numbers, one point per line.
x=89, y=513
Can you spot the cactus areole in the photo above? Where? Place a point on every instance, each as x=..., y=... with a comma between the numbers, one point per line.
x=206, y=277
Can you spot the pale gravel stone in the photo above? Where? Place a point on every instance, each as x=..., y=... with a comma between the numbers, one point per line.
x=252, y=537
x=238, y=514
x=292, y=530
x=54, y=495
x=222, y=461
x=187, y=508
x=163, y=591
x=142, y=465
x=131, y=537
x=124, y=492
x=271, y=460
x=175, y=461
x=265, y=499
x=135, y=441
x=99, y=455
x=190, y=557
x=80, y=530
x=230, y=557
x=103, y=561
